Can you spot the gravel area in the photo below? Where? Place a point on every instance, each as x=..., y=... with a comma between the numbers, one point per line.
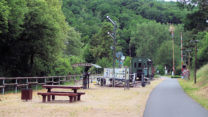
x=97, y=102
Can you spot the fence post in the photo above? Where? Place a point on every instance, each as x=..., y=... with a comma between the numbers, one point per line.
x=27, y=83
x=16, y=86
x=52, y=80
x=45, y=81
x=3, y=85
x=36, y=85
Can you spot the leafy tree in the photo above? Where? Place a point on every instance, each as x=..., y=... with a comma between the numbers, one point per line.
x=127, y=61
x=101, y=43
x=11, y=21
x=197, y=19
x=73, y=43
x=165, y=55
x=202, y=54
x=35, y=32
x=147, y=38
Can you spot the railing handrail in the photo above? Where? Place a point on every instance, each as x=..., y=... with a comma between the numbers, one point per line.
x=11, y=78
x=30, y=81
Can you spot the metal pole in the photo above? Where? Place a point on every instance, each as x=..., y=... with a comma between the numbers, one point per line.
x=114, y=47
x=173, y=54
x=114, y=53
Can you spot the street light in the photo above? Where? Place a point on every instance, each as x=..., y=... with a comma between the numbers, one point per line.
x=113, y=35
x=172, y=29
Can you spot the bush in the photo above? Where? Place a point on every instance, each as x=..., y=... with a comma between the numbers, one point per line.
x=63, y=66
x=178, y=70
x=176, y=76
x=161, y=69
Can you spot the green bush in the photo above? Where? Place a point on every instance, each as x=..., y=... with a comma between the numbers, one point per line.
x=161, y=69
x=63, y=66
x=176, y=76
x=178, y=70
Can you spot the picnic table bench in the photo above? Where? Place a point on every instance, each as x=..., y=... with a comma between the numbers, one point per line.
x=73, y=96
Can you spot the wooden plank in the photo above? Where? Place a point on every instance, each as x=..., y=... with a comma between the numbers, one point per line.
x=10, y=84
x=62, y=86
x=21, y=85
x=2, y=86
x=59, y=94
x=32, y=82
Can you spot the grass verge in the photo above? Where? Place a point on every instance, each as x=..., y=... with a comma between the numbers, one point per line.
x=199, y=90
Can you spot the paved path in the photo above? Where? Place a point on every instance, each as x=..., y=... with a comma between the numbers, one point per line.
x=169, y=100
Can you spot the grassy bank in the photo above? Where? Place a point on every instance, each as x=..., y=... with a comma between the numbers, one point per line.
x=198, y=91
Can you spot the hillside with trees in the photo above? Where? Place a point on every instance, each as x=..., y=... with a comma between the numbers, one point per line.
x=45, y=37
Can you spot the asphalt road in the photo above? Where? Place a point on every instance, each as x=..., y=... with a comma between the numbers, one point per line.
x=169, y=100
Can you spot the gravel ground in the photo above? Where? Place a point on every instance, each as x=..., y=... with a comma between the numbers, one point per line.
x=97, y=102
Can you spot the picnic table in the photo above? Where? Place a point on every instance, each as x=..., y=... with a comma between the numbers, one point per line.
x=49, y=87
x=73, y=96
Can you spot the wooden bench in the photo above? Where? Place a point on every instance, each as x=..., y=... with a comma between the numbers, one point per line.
x=72, y=96
x=78, y=94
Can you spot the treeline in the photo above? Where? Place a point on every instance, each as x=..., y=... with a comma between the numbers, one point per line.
x=45, y=37
x=34, y=39
x=143, y=28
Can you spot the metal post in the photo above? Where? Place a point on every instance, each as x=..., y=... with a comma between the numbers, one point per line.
x=114, y=46
x=173, y=56
x=172, y=29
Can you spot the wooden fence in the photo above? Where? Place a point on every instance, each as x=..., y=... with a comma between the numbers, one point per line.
x=26, y=82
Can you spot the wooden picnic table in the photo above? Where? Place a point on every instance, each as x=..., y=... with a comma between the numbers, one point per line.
x=49, y=87
x=72, y=95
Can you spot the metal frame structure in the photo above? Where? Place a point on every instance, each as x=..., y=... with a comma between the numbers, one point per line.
x=113, y=35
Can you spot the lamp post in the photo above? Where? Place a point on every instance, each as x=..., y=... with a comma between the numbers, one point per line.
x=172, y=29
x=113, y=35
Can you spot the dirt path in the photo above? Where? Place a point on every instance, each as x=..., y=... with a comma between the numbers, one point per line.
x=97, y=102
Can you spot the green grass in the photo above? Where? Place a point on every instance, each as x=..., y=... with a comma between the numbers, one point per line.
x=176, y=76
x=196, y=90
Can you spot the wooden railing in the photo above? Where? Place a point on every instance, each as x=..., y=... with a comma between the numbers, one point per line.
x=25, y=82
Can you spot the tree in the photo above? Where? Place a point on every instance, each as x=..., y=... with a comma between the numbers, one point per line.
x=73, y=43
x=197, y=19
x=147, y=38
x=35, y=35
x=202, y=54
x=165, y=55
x=11, y=27
x=101, y=43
